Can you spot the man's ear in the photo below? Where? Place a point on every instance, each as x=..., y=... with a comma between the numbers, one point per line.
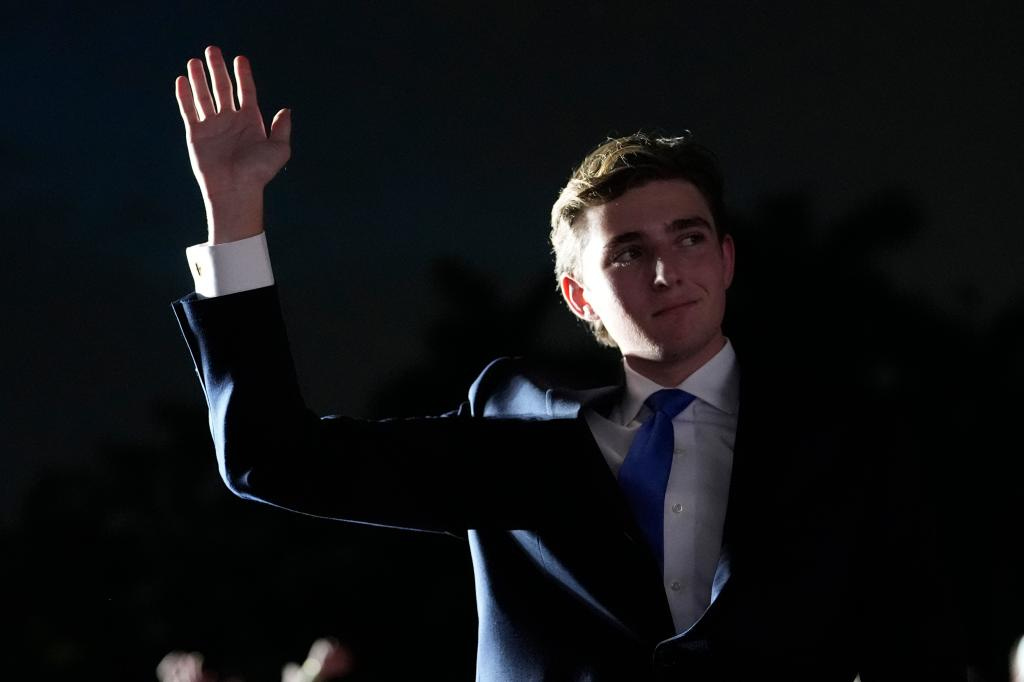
x=576, y=296
x=729, y=258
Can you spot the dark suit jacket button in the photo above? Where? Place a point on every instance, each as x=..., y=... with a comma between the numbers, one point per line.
x=666, y=657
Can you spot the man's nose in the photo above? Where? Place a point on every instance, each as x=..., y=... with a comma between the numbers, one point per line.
x=664, y=273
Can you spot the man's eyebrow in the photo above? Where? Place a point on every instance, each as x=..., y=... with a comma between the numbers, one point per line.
x=624, y=238
x=686, y=223
x=675, y=226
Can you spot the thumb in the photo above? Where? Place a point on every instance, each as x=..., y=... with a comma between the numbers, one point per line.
x=281, y=126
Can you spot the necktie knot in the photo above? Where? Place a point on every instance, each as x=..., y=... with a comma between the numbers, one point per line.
x=669, y=401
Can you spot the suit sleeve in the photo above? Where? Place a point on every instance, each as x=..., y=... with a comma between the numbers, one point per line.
x=439, y=473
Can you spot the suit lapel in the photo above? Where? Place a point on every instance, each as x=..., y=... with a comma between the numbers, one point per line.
x=761, y=457
x=605, y=565
x=614, y=571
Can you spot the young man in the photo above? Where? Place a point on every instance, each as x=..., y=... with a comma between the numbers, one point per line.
x=647, y=530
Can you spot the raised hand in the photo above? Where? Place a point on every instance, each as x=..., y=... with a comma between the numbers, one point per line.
x=232, y=156
x=179, y=666
x=327, y=660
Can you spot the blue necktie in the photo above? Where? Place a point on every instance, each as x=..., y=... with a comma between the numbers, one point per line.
x=644, y=474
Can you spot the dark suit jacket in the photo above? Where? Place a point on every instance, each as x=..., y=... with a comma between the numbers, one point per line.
x=825, y=570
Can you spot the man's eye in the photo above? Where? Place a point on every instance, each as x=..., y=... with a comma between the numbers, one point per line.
x=693, y=238
x=626, y=255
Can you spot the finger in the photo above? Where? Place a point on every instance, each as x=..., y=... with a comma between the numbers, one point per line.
x=246, y=85
x=221, y=80
x=186, y=105
x=291, y=672
x=193, y=667
x=165, y=668
x=281, y=126
x=200, y=90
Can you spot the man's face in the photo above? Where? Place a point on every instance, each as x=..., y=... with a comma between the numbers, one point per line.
x=654, y=273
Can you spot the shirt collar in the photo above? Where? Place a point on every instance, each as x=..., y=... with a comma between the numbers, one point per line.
x=716, y=382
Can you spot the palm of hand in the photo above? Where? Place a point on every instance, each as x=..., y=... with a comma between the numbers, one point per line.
x=229, y=148
x=230, y=151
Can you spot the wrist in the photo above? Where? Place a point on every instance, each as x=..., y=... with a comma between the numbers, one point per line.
x=234, y=216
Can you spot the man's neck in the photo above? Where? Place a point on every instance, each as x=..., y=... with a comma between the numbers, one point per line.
x=672, y=372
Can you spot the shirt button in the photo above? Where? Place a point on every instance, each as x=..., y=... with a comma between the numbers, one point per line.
x=680, y=451
x=676, y=586
x=677, y=508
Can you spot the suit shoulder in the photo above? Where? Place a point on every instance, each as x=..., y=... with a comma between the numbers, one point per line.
x=508, y=387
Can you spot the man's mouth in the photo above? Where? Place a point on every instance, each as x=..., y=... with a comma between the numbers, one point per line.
x=674, y=306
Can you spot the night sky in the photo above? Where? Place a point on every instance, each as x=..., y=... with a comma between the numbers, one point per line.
x=429, y=142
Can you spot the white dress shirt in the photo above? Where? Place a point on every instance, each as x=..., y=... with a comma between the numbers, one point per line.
x=705, y=433
x=698, y=484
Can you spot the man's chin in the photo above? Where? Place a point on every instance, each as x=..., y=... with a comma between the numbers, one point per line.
x=685, y=349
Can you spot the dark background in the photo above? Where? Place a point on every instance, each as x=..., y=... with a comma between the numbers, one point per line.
x=873, y=157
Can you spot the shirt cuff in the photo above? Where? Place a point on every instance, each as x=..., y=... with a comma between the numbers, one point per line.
x=232, y=267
